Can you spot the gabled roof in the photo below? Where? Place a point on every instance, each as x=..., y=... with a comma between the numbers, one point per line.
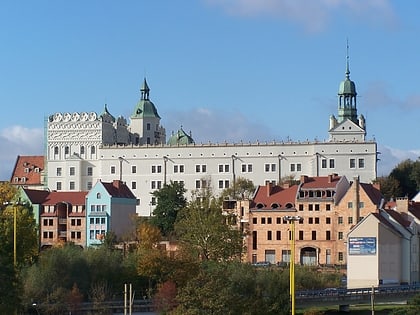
x=28, y=167
x=36, y=196
x=72, y=197
x=414, y=209
x=372, y=192
x=384, y=221
x=269, y=195
x=118, y=189
x=320, y=182
x=398, y=217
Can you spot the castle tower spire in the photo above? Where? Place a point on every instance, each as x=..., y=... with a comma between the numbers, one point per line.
x=347, y=108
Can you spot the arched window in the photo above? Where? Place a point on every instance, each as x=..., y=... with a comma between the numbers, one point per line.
x=275, y=205
x=82, y=149
x=260, y=205
x=67, y=150
x=55, y=150
x=98, y=196
x=92, y=149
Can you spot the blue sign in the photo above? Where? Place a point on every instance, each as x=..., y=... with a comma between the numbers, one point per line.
x=362, y=246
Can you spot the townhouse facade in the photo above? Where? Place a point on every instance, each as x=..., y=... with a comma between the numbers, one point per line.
x=327, y=208
x=83, y=218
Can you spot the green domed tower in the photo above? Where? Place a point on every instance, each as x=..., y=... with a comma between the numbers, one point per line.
x=145, y=121
x=180, y=138
x=347, y=108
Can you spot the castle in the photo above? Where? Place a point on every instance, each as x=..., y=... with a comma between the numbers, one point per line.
x=82, y=148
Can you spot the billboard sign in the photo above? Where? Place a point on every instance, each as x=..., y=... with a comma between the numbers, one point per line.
x=362, y=246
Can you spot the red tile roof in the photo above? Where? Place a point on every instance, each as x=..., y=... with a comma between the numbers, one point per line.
x=398, y=217
x=330, y=181
x=36, y=196
x=269, y=195
x=119, y=189
x=28, y=167
x=73, y=197
x=373, y=193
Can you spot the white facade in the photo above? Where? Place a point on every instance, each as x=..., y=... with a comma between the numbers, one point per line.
x=85, y=147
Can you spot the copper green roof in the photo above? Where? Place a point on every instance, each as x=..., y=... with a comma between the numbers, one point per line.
x=347, y=87
x=145, y=108
x=180, y=138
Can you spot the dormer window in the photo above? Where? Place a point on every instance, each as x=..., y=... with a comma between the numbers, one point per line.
x=289, y=205
x=16, y=179
x=260, y=205
x=23, y=179
x=26, y=169
x=36, y=170
x=275, y=205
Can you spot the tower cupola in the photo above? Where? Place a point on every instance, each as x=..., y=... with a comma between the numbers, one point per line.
x=347, y=105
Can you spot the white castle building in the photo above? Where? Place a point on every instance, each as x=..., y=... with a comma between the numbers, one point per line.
x=82, y=148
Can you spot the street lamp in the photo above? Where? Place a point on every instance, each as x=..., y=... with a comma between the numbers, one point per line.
x=292, y=220
x=15, y=205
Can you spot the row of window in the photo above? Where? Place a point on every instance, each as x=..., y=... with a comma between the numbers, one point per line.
x=73, y=235
x=82, y=150
x=300, y=236
x=286, y=253
x=223, y=168
x=311, y=220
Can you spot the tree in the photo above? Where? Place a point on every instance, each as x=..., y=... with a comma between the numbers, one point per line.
x=204, y=231
x=242, y=188
x=26, y=245
x=253, y=291
x=403, y=181
x=170, y=199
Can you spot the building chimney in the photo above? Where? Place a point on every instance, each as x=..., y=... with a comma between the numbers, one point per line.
x=356, y=199
x=303, y=179
x=116, y=183
x=269, y=187
x=402, y=205
x=330, y=178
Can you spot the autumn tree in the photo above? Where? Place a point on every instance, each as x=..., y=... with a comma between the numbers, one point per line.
x=170, y=199
x=203, y=230
x=242, y=188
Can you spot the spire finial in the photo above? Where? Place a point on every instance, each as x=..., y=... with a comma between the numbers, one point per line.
x=347, y=61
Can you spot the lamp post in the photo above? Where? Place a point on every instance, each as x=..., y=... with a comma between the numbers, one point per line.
x=292, y=220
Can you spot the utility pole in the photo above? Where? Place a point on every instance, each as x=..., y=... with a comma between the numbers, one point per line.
x=292, y=220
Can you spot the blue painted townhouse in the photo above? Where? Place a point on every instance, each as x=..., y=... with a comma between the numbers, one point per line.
x=109, y=207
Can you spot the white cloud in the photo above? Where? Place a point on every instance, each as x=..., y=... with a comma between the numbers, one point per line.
x=313, y=15
x=18, y=140
x=390, y=157
x=376, y=95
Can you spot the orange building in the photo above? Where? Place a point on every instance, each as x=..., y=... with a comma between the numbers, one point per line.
x=327, y=207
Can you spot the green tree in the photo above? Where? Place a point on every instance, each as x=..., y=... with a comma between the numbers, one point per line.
x=204, y=231
x=234, y=288
x=170, y=199
x=242, y=189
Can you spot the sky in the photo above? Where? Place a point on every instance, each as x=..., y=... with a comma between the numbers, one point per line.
x=226, y=70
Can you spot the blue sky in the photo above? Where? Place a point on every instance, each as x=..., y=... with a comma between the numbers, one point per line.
x=223, y=69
